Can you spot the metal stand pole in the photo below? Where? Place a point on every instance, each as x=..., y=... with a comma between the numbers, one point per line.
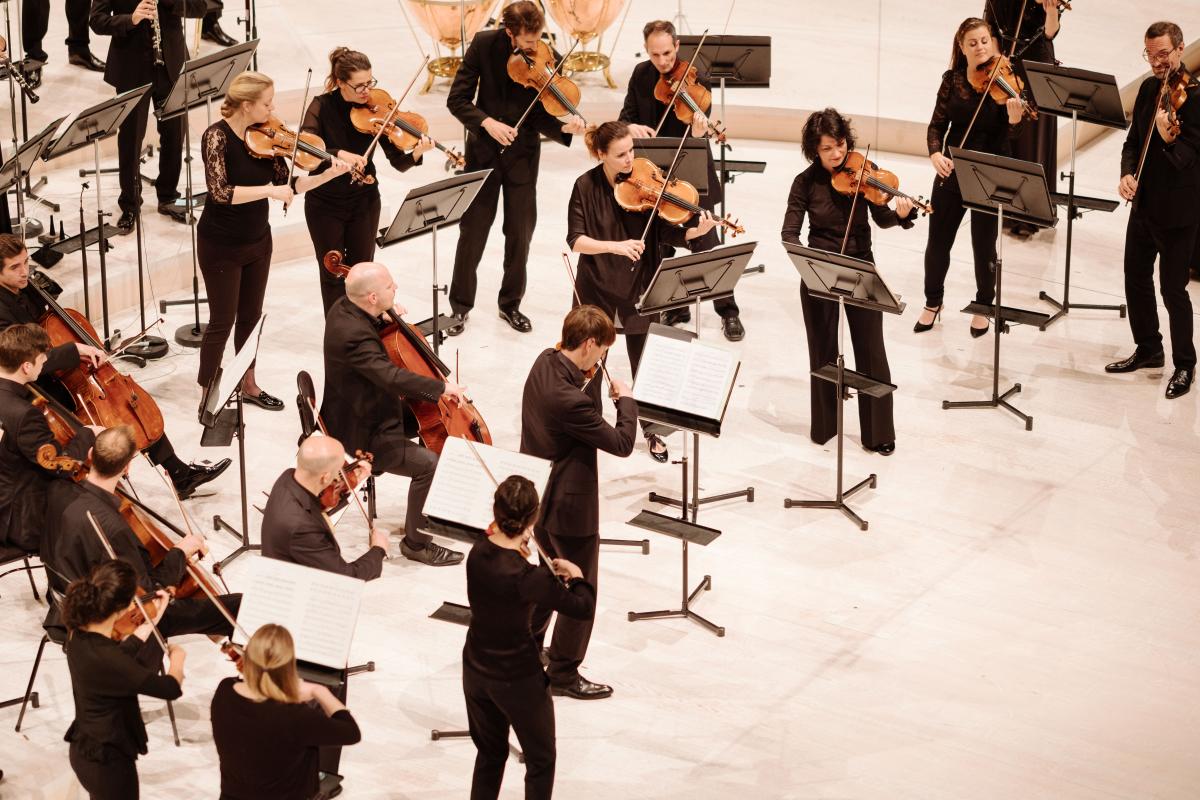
x=150, y=347
x=437, y=331
x=190, y=335
x=102, y=242
x=221, y=524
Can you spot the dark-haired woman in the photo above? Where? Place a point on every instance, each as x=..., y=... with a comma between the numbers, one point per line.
x=826, y=140
x=503, y=679
x=108, y=734
x=615, y=265
x=343, y=215
x=992, y=131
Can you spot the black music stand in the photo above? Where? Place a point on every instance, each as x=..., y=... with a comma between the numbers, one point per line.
x=18, y=168
x=425, y=209
x=843, y=280
x=200, y=81
x=661, y=150
x=88, y=128
x=1005, y=187
x=1080, y=95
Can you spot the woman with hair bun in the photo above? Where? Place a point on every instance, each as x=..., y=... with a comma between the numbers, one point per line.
x=107, y=734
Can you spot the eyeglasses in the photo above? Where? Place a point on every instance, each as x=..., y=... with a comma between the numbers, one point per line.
x=1164, y=55
x=363, y=87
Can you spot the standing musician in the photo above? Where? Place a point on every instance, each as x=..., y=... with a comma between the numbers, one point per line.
x=234, y=244
x=362, y=405
x=131, y=63
x=107, y=675
x=343, y=215
x=503, y=680
x=563, y=423
x=35, y=22
x=642, y=110
x=211, y=29
x=1040, y=23
x=1166, y=212
x=994, y=125
x=615, y=265
x=826, y=140
x=489, y=103
x=295, y=527
x=20, y=304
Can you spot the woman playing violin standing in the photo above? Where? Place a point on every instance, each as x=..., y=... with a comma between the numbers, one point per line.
x=233, y=242
x=994, y=127
x=343, y=214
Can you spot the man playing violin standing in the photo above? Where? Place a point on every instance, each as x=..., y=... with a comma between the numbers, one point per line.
x=363, y=404
x=489, y=103
x=643, y=111
x=1166, y=212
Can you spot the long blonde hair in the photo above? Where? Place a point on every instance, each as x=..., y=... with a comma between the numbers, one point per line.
x=245, y=88
x=269, y=665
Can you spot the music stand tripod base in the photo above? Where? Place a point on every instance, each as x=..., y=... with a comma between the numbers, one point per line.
x=868, y=482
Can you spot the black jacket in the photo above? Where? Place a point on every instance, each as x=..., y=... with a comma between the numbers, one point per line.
x=561, y=422
x=130, y=60
x=363, y=388
x=1169, y=185
x=295, y=529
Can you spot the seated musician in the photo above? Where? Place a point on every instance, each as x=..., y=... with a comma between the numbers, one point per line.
x=295, y=527
x=20, y=303
x=362, y=404
x=71, y=547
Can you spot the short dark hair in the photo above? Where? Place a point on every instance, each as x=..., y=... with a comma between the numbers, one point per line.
x=11, y=245
x=599, y=137
x=107, y=589
x=824, y=123
x=523, y=16
x=515, y=505
x=113, y=450
x=22, y=343
x=1164, y=28
x=587, y=322
x=659, y=26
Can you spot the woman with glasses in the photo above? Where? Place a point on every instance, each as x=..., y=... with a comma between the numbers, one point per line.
x=343, y=215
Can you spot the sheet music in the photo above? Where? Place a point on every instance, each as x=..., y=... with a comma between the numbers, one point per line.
x=319, y=608
x=685, y=376
x=462, y=492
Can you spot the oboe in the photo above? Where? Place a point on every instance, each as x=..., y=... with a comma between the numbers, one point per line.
x=15, y=72
x=156, y=31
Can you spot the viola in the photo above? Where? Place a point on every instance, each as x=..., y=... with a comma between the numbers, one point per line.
x=129, y=622
x=692, y=98
x=272, y=138
x=877, y=185
x=346, y=482
x=1006, y=85
x=404, y=129
x=641, y=187
x=1174, y=94
x=407, y=349
x=540, y=71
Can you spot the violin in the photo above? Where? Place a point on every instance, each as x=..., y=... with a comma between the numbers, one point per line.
x=691, y=100
x=345, y=483
x=129, y=622
x=407, y=349
x=877, y=185
x=404, y=129
x=641, y=187
x=1174, y=94
x=559, y=95
x=1005, y=85
x=272, y=138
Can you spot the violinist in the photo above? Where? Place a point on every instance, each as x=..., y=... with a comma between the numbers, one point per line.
x=107, y=734
x=615, y=265
x=994, y=127
x=1165, y=191
x=20, y=303
x=826, y=140
x=343, y=215
x=642, y=110
x=362, y=404
x=563, y=423
x=233, y=243
x=489, y=103
x=503, y=681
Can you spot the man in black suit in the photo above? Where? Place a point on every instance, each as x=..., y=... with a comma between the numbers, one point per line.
x=363, y=407
x=130, y=65
x=561, y=420
x=295, y=527
x=35, y=21
x=211, y=28
x=1165, y=215
x=643, y=111
x=489, y=103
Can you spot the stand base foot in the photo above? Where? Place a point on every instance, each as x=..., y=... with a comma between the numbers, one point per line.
x=16, y=701
x=1000, y=401
x=435, y=735
x=644, y=544
x=1064, y=308
x=245, y=547
x=747, y=493
x=685, y=612
x=190, y=335
x=839, y=504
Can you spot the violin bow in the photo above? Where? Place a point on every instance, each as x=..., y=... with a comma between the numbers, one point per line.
x=296, y=144
x=108, y=548
x=395, y=110
x=666, y=185
x=579, y=300
x=545, y=85
x=854, y=202
x=679, y=88
x=342, y=469
x=1153, y=126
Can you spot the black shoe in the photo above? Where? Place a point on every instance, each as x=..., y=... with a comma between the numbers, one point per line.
x=1181, y=382
x=125, y=222
x=85, y=59
x=921, y=327
x=1137, y=361
x=516, y=320
x=33, y=76
x=661, y=456
x=213, y=33
x=885, y=449
x=581, y=689
x=432, y=554
x=197, y=475
x=460, y=323
x=977, y=332
x=173, y=211
x=264, y=400
x=732, y=328
x=677, y=316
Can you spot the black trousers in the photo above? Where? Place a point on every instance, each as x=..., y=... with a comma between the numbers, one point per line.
x=943, y=228
x=569, y=644
x=520, y=218
x=329, y=758
x=1173, y=248
x=347, y=227
x=870, y=357
x=115, y=778
x=198, y=615
x=525, y=705
x=35, y=21
x=235, y=278
x=129, y=146
x=726, y=306
x=395, y=453
x=217, y=7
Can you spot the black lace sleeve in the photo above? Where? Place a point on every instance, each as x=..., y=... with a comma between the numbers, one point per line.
x=939, y=123
x=213, y=146
x=281, y=172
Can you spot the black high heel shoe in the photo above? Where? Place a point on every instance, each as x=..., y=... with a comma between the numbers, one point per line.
x=661, y=456
x=920, y=327
x=977, y=332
